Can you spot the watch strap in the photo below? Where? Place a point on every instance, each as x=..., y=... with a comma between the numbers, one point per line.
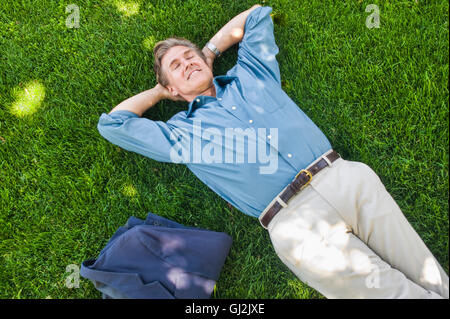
x=213, y=48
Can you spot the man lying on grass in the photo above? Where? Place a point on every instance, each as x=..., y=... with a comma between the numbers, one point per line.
x=331, y=221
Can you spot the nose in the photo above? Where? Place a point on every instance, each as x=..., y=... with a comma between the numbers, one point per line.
x=187, y=68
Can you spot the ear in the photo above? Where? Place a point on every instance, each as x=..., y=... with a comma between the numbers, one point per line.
x=172, y=90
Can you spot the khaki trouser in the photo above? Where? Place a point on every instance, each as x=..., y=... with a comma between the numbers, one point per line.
x=346, y=237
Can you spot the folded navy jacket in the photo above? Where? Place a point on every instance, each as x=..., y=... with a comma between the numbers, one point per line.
x=158, y=258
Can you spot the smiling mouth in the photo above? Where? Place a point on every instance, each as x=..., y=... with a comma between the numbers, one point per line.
x=193, y=73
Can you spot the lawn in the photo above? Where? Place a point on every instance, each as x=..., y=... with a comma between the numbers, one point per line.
x=379, y=94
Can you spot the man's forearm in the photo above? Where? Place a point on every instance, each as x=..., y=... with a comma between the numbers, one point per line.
x=232, y=32
x=140, y=103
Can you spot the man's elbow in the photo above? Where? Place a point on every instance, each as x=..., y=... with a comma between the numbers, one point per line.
x=106, y=123
x=102, y=126
x=237, y=33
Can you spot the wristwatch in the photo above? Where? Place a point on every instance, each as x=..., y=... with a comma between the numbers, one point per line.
x=213, y=48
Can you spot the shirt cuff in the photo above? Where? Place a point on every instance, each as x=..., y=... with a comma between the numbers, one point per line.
x=116, y=117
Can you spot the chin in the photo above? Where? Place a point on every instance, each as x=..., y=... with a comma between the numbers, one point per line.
x=202, y=82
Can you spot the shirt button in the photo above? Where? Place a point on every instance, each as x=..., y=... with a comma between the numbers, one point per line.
x=219, y=98
x=289, y=155
x=233, y=107
x=198, y=100
x=250, y=121
x=269, y=136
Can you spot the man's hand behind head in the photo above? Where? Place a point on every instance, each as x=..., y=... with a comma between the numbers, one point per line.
x=165, y=94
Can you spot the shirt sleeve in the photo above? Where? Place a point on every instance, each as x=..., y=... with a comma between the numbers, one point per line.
x=136, y=134
x=257, y=49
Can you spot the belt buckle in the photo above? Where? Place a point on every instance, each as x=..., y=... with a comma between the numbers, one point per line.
x=307, y=173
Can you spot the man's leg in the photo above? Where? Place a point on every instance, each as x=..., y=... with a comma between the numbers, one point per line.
x=377, y=220
x=314, y=242
x=374, y=217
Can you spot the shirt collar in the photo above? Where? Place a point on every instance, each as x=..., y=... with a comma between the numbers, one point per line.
x=220, y=82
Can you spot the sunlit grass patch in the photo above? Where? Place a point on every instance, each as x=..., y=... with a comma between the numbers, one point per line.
x=128, y=8
x=28, y=99
x=129, y=190
x=149, y=42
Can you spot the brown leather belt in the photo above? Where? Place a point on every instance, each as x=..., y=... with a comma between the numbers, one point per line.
x=302, y=179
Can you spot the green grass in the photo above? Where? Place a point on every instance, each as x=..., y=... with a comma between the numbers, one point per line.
x=380, y=95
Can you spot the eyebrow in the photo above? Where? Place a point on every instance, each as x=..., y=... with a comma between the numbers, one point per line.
x=184, y=53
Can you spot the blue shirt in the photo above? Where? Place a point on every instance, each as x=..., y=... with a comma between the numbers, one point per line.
x=248, y=142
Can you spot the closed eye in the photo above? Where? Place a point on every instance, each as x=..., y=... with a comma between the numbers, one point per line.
x=186, y=59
